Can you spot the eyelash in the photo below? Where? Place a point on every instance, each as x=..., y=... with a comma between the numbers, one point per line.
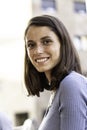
x=44, y=42
x=30, y=45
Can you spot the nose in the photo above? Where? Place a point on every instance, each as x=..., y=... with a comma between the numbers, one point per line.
x=39, y=49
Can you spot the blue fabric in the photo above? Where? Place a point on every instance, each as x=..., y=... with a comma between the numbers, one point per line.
x=5, y=123
x=68, y=110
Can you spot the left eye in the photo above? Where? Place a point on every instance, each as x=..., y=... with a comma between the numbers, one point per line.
x=46, y=42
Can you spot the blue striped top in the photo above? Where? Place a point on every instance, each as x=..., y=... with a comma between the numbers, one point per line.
x=68, y=110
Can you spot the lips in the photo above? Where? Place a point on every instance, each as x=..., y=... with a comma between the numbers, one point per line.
x=40, y=60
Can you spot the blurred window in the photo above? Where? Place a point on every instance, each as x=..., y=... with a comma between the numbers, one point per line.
x=20, y=118
x=80, y=6
x=85, y=73
x=80, y=42
x=48, y=5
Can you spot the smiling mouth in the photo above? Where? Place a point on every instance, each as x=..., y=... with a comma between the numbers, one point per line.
x=40, y=60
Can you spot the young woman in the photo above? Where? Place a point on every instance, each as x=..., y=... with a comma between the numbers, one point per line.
x=52, y=63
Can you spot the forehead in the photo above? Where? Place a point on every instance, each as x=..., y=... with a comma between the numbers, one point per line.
x=34, y=31
x=37, y=32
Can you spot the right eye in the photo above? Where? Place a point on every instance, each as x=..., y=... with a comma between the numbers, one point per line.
x=30, y=45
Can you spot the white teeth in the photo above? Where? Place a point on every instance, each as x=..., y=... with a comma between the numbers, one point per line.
x=41, y=60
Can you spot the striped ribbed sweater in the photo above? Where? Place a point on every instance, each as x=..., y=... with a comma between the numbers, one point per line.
x=68, y=110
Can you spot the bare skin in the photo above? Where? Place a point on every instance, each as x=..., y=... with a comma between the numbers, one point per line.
x=43, y=49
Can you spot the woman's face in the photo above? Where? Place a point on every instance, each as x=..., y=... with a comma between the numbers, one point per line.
x=43, y=48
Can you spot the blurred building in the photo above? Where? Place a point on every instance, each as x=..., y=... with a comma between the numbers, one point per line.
x=73, y=14
x=13, y=96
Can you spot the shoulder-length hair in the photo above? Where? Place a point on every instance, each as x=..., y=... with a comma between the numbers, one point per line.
x=35, y=81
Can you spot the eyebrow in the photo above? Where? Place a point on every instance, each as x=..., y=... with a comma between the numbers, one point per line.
x=29, y=41
x=45, y=37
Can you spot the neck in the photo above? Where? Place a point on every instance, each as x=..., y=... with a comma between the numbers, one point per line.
x=48, y=76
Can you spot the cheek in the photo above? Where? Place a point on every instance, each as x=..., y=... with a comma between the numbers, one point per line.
x=56, y=50
x=56, y=53
x=29, y=55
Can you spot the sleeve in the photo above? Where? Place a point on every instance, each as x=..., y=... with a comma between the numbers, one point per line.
x=5, y=122
x=72, y=106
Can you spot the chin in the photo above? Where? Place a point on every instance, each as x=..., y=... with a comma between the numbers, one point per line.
x=41, y=70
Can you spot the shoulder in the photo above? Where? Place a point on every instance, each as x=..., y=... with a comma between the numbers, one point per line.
x=5, y=120
x=74, y=79
x=3, y=116
x=74, y=83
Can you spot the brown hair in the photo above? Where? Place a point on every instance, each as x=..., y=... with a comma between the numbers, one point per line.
x=35, y=81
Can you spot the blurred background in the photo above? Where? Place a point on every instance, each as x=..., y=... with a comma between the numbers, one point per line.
x=14, y=16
